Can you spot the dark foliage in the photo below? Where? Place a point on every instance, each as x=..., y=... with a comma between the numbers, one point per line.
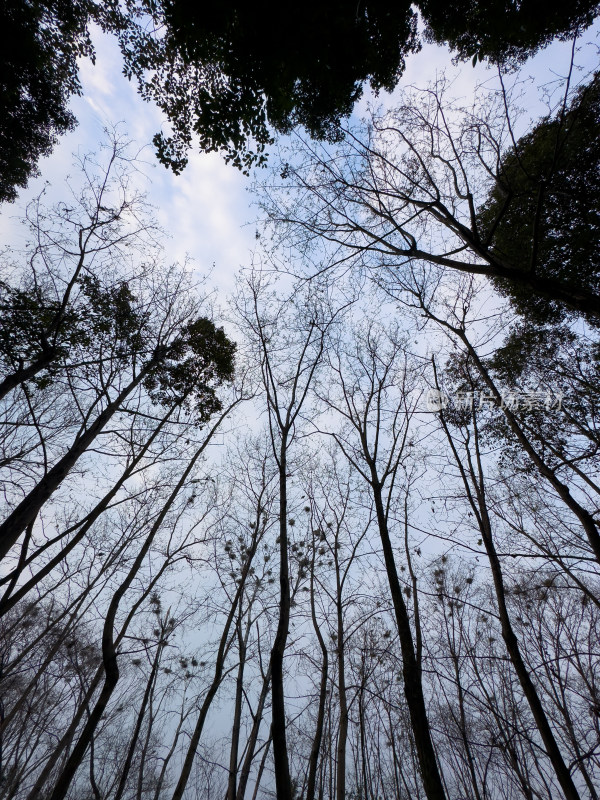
x=201, y=359
x=233, y=73
x=40, y=328
x=543, y=216
x=503, y=31
x=228, y=72
x=40, y=42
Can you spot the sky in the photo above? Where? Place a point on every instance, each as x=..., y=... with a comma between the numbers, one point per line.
x=208, y=211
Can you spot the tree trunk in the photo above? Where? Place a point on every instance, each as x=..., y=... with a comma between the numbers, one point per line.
x=479, y=505
x=561, y=489
x=216, y=682
x=247, y=765
x=109, y=652
x=139, y=721
x=343, y=725
x=313, y=760
x=278, y=732
x=8, y=601
x=413, y=688
x=237, y=713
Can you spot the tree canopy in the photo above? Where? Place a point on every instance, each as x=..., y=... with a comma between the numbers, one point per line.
x=499, y=30
x=543, y=214
x=40, y=43
x=229, y=72
x=233, y=74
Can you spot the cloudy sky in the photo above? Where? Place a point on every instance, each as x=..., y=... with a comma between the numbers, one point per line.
x=207, y=211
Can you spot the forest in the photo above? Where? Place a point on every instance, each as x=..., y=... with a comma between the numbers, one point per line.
x=335, y=536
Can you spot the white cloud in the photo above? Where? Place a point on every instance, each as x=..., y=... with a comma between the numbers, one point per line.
x=202, y=211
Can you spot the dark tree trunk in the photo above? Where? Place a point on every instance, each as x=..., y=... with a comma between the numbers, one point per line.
x=343, y=724
x=586, y=519
x=477, y=500
x=247, y=765
x=278, y=726
x=138, y=724
x=109, y=652
x=237, y=714
x=413, y=688
x=315, y=749
x=9, y=601
x=13, y=380
x=216, y=682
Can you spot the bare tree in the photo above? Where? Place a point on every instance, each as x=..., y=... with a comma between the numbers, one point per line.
x=288, y=344
x=375, y=381
x=471, y=470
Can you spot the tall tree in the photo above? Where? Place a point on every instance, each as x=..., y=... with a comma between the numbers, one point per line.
x=470, y=466
x=374, y=383
x=288, y=344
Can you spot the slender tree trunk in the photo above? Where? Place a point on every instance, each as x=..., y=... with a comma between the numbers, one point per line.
x=363, y=739
x=216, y=682
x=93, y=783
x=463, y=729
x=585, y=518
x=343, y=725
x=313, y=761
x=413, y=688
x=237, y=713
x=14, y=576
x=512, y=646
x=67, y=738
x=138, y=725
x=278, y=725
x=65, y=741
x=247, y=765
x=478, y=503
x=8, y=601
x=109, y=652
x=261, y=769
x=166, y=760
x=111, y=677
